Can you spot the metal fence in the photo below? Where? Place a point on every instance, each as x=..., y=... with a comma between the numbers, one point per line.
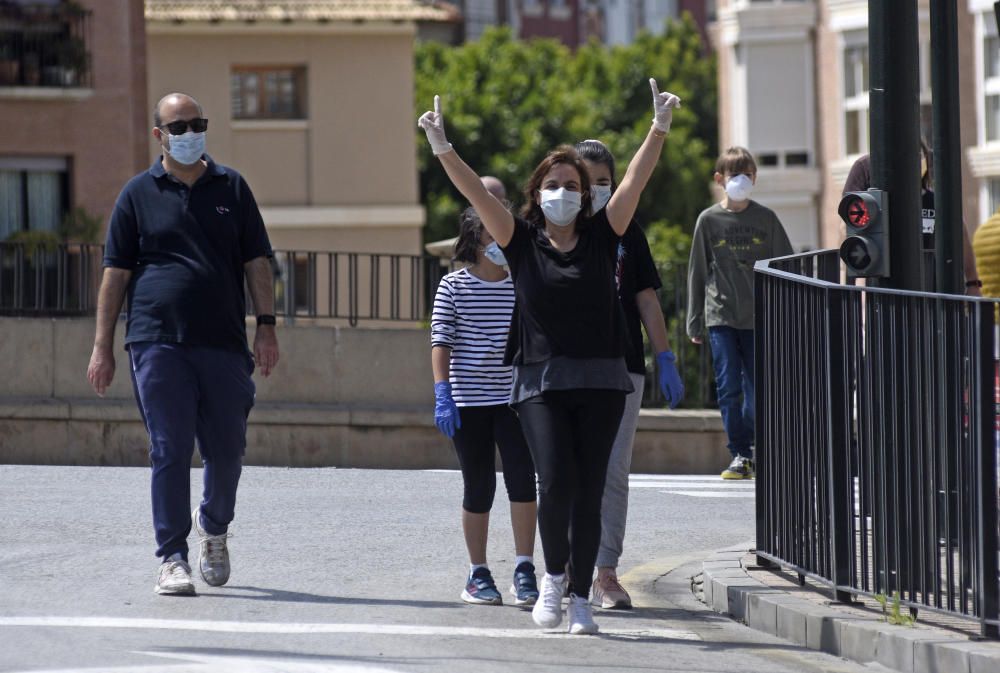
x=341, y=286
x=877, y=444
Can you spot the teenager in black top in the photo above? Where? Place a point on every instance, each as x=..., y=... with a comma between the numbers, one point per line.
x=567, y=342
x=637, y=280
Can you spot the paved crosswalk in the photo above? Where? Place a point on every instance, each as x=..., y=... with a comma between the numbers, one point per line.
x=694, y=485
x=691, y=485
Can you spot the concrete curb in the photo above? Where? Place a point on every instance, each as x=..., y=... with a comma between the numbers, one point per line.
x=729, y=589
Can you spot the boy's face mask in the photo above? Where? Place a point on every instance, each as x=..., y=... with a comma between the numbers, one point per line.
x=739, y=187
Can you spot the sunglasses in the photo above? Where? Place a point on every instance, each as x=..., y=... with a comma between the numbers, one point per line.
x=180, y=127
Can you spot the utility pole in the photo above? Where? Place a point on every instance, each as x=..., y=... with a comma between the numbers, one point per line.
x=948, y=225
x=894, y=96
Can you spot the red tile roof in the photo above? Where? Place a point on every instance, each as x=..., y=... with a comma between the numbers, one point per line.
x=300, y=10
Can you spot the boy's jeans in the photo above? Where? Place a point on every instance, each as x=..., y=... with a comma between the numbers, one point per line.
x=732, y=355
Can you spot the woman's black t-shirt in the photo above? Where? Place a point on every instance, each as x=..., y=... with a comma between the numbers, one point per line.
x=566, y=303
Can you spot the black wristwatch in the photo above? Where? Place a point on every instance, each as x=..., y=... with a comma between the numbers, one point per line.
x=266, y=319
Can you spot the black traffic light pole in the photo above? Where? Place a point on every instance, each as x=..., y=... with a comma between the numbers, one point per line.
x=949, y=261
x=894, y=96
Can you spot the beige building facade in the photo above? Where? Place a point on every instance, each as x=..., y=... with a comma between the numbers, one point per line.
x=793, y=84
x=313, y=103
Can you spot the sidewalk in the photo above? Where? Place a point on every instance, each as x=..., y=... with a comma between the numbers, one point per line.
x=773, y=601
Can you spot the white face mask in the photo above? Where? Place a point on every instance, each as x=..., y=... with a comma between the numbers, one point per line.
x=599, y=197
x=186, y=148
x=495, y=254
x=739, y=187
x=560, y=206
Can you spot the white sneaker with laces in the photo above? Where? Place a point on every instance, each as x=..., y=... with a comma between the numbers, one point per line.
x=547, y=611
x=213, y=559
x=580, y=615
x=174, y=579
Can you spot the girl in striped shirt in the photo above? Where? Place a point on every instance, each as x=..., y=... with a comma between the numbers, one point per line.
x=469, y=326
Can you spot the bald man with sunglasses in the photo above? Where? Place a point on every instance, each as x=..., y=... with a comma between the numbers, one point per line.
x=184, y=238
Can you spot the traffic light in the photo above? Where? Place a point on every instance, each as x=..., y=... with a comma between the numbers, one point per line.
x=865, y=251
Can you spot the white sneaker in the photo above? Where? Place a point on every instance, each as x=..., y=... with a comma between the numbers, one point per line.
x=581, y=617
x=547, y=612
x=213, y=559
x=174, y=579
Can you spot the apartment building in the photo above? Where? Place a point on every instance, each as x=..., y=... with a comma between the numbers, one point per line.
x=573, y=22
x=312, y=102
x=793, y=84
x=72, y=108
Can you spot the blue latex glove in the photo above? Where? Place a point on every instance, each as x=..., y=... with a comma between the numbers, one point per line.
x=445, y=411
x=670, y=380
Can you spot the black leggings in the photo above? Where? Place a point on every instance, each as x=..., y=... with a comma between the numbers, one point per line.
x=483, y=430
x=570, y=433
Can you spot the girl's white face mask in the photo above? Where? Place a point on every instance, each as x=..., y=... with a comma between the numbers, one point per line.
x=599, y=197
x=560, y=206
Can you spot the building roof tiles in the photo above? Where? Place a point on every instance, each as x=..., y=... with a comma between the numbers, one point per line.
x=299, y=10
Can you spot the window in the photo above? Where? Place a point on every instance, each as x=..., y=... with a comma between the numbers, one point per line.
x=34, y=193
x=993, y=187
x=991, y=78
x=268, y=92
x=856, y=92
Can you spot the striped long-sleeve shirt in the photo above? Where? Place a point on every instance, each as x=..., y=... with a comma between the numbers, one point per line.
x=472, y=318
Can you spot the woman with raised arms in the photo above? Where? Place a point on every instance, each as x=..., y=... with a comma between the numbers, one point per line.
x=567, y=342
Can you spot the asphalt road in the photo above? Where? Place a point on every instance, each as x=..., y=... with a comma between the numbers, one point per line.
x=349, y=570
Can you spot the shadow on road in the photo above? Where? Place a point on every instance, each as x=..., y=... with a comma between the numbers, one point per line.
x=281, y=596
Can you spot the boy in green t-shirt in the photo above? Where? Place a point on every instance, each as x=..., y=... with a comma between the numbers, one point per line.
x=728, y=238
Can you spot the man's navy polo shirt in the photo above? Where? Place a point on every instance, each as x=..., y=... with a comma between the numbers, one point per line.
x=186, y=249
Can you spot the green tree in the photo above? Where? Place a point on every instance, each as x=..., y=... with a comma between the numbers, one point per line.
x=507, y=102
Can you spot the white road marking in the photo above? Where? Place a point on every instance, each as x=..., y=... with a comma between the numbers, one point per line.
x=208, y=663
x=324, y=628
x=694, y=485
x=712, y=494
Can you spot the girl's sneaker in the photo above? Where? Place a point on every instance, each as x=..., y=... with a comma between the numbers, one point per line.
x=525, y=586
x=581, y=617
x=481, y=589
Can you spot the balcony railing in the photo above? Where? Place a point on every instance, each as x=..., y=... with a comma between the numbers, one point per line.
x=45, y=45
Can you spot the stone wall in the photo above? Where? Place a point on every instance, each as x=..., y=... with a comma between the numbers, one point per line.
x=346, y=397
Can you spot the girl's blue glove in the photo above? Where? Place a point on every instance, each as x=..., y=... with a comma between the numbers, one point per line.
x=445, y=410
x=670, y=380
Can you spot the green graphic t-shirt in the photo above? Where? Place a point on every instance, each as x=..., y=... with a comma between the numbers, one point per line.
x=720, y=273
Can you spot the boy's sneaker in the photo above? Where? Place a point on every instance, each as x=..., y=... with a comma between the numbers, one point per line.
x=581, y=617
x=547, y=612
x=610, y=594
x=740, y=468
x=174, y=579
x=213, y=558
x=481, y=589
x=525, y=586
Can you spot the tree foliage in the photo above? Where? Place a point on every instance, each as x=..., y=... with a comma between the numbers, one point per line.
x=508, y=102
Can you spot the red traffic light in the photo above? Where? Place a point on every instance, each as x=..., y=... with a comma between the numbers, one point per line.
x=857, y=213
x=859, y=210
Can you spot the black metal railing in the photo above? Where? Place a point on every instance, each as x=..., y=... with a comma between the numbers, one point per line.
x=877, y=444
x=45, y=45
x=43, y=280
x=350, y=286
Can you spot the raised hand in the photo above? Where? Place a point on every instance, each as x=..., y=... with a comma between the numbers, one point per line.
x=663, y=107
x=433, y=125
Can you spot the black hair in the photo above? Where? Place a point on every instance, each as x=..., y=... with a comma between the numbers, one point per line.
x=470, y=229
x=597, y=152
x=926, y=180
